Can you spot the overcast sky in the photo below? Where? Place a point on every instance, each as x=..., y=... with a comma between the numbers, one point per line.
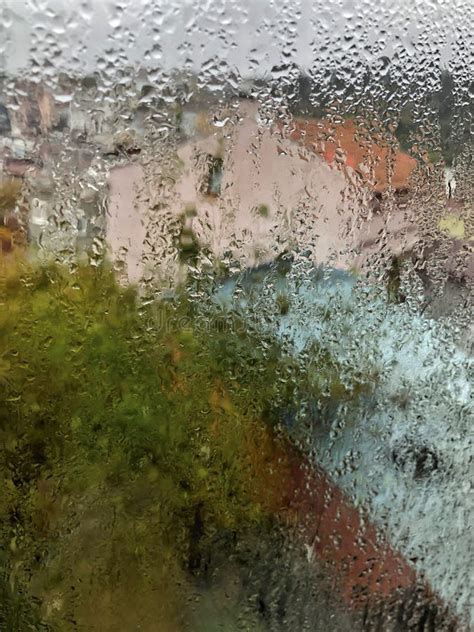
x=249, y=36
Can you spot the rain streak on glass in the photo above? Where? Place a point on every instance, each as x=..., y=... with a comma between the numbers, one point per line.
x=236, y=289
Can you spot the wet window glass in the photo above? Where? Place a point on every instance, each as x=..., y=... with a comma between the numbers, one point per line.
x=236, y=283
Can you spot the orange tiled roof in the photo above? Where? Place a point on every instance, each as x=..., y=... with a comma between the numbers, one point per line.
x=339, y=143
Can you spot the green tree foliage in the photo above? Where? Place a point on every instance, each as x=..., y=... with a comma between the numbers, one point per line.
x=134, y=436
x=129, y=438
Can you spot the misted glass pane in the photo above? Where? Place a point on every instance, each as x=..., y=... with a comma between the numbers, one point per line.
x=236, y=280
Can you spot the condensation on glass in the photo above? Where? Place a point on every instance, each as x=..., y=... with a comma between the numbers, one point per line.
x=236, y=271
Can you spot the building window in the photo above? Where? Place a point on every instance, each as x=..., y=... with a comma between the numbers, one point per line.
x=213, y=181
